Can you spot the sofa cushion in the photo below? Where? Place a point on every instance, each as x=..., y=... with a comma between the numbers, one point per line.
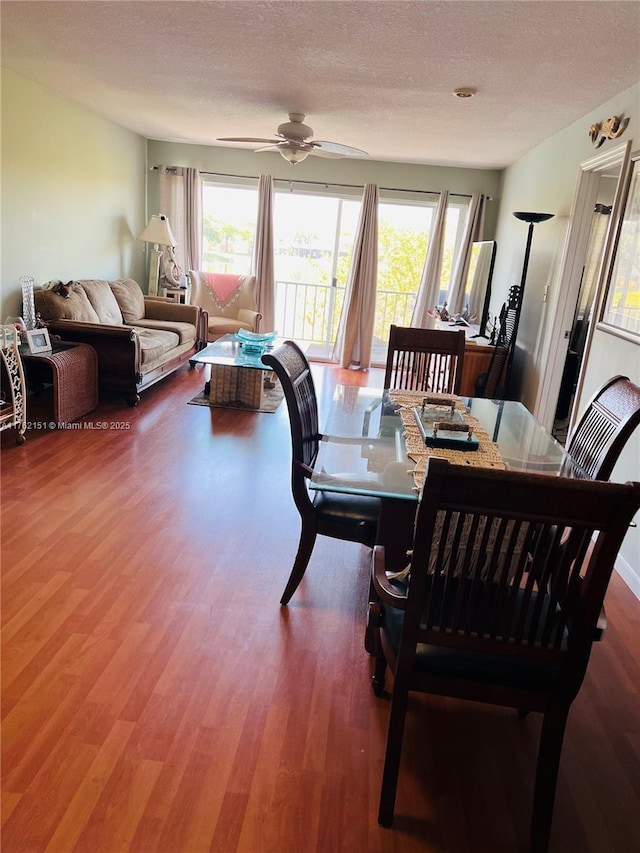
x=130, y=299
x=104, y=302
x=155, y=343
x=76, y=307
x=185, y=331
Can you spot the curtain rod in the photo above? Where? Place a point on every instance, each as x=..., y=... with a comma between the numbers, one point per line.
x=325, y=183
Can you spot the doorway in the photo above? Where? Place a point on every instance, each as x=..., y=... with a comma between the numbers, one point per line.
x=585, y=307
x=600, y=180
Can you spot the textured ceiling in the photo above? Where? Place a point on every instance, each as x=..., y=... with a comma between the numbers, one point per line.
x=377, y=75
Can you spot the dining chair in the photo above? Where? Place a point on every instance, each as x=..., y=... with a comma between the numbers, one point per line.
x=353, y=518
x=229, y=301
x=611, y=416
x=501, y=605
x=425, y=360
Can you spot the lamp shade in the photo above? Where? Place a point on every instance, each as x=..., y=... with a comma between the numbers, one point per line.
x=532, y=217
x=158, y=231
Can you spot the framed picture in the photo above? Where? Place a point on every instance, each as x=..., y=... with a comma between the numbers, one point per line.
x=38, y=340
x=622, y=305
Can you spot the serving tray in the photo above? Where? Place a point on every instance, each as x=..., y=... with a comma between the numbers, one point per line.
x=441, y=426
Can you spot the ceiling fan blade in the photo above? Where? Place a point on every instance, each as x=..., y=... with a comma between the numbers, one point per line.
x=336, y=148
x=246, y=139
x=266, y=148
x=329, y=155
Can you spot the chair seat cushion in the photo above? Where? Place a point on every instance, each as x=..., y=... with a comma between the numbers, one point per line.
x=227, y=325
x=350, y=517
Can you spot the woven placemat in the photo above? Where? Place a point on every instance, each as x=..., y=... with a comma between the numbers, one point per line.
x=486, y=456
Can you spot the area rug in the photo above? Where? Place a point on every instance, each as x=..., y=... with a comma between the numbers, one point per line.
x=272, y=399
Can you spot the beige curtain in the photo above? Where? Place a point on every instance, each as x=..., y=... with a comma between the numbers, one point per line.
x=429, y=289
x=355, y=333
x=262, y=264
x=181, y=202
x=473, y=230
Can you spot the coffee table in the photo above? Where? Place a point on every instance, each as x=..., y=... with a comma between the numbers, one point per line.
x=237, y=378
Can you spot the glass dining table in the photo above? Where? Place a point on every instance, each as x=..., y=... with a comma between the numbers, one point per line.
x=363, y=451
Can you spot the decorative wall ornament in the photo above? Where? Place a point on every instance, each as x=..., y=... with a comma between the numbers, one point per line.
x=612, y=128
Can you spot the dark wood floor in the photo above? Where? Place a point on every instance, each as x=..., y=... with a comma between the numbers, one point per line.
x=156, y=697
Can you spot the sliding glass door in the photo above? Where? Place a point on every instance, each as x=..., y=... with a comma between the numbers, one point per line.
x=313, y=242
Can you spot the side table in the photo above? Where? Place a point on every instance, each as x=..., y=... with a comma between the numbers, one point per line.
x=72, y=370
x=181, y=295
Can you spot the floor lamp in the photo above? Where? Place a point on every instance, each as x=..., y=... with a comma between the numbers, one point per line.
x=159, y=233
x=532, y=219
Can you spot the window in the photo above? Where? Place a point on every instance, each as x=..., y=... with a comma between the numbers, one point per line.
x=229, y=216
x=313, y=241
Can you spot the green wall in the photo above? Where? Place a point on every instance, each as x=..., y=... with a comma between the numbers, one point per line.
x=545, y=180
x=73, y=192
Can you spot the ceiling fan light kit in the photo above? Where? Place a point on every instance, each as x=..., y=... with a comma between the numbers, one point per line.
x=294, y=142
x=293, y=155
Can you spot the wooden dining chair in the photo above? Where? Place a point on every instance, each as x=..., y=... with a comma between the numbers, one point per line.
x=501, y=605
x=425, y=360
x=353, y=518
x=611, y=416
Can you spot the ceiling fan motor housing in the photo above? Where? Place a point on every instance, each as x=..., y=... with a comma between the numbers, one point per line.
x=295, y=129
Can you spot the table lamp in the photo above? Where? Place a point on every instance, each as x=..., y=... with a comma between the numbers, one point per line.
x=159, y=233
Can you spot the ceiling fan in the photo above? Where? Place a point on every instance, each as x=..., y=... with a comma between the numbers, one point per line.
x=294, y=142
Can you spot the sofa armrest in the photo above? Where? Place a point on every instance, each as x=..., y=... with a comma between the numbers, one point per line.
x=100, y=330
x=245, y=315
x=160, y=309
x=117, y=347
x=202, y=336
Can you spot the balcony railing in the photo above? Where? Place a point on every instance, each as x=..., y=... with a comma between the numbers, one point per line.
x=311, y=312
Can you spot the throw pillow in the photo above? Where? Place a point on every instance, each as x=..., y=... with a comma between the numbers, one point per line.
x=54, y=306
x=103, y=301
x=130, y=299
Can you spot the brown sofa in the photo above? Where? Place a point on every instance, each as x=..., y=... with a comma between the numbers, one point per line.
x=138, y=339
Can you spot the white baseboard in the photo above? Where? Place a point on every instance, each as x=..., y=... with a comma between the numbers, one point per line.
x=628, y=575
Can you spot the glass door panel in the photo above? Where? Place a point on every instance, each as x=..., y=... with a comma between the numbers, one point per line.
x=313, y=238
x=229, y=217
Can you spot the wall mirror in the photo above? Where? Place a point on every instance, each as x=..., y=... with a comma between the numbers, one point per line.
x=622, y=304
x=478, y=285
